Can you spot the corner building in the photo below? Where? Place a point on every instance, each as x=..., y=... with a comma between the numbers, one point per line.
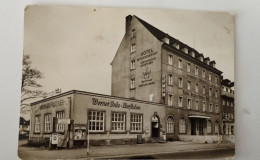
x=151, y=65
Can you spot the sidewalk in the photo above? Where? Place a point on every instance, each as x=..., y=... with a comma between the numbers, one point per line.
x=118, y=150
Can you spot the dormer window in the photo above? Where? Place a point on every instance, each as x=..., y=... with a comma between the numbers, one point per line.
x=166, y=40
x=201, y=59
x=185, y=50
x=193, y=54
x=176, y=45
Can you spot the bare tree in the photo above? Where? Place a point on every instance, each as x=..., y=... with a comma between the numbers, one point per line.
x=29, y=87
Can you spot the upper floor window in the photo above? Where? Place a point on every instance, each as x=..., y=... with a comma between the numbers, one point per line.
x=132, y=64
x=197, y=105
x=133, y=33
x=133, y=48
x=47, y=122
x=204, y=90
x=170, y=79
x=231, y=104
x=37, y=124
x=180, y=82
x=170, y=59
x=209, y=76
x=210, y=92
x=196, y=70
x=203, y=73
x=96, y=121
x=223, y=102
x=196, y=87
x=189, y=85
x=180, y=102
x=217, y=108
x=189, y=103
x=216, y=79
x=204, y=106
x=170, y=99
x=60, y=115
x=210, y=107
x=188, y=67
x=118, y=122
x=132, y=85
x=227, y=103
x=216, y=94
x=180, y=63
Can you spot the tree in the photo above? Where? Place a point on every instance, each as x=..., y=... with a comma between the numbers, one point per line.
x=29, y=87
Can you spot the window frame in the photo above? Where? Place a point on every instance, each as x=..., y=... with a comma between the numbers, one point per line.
x=180, y=101
x=132, y=66
x=189, y=85
x=180, y=63
x=182, y=127
x=170, y=125
x=96, y=121
x=170, y=100
x=60, y=127
x=189, y=105
x=132, y=83
x=170, y=79
x=188, y=67
x=170, y=59
x=196, y=70
x=37, y=123
x=141, y=128
x=133, y=48
x=114, y=120
x=180, y=82
x=47, y=124
x=209, y=127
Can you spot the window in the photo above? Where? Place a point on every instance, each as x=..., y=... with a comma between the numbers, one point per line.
x=188, y=67
x=180, y=63
x=208, y=126
x=216, y=127
x=197, y=105
x=170, y=99
x=37, y=124
x=133, y=48
x=47, y=122
x=182, y=125
x=136, y=122
x=132, y=64
x=231, y=103
x=209, y=76
x=170, y=59
x=204, y=106
x=132, y=83
x=133, y=33
x=188, y=85
x=197, y=88
x=59, y=115
x=96, y=121
x=210, y=107
x=118, y=122
x=223, y=102
x=203, y=73
x=189, y=103
x=170, y=124
x=227, y=103
x=210, y=92
x=216, y=79
x=180, y=102
x=216, y=94
x=204, y=90
x=196, y=70
x=180, y=82
x=170, y=79
x=216, y=108
x=232, y=116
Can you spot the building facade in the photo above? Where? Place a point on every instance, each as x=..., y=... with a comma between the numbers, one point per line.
x=151, y=65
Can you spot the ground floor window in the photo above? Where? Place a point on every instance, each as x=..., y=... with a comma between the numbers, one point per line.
x=170, y=124
x=118, y=122
x=208, y=126
x=136, y=122
x=37, y=124
x=216, y=127
x=182, y=125
x=96, y=121
x=47, y=122
x=60, y=115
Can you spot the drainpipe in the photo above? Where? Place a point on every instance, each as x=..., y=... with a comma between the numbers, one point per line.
x=69, y=126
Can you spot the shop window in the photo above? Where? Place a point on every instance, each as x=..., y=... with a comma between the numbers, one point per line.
x=170, y=124
x=188, y=67
x=197, y=105
x=170, y=99
x=60, y=127
x=203, y=73
x=170, y=80
x=204, y=106
x=132, y=65
x=136, y=122
x=180, y=82
x=182, y=125
x=133, y=48
x=209, y=76
x=197, y=88
x=37, y=124
x=96, y=121
x=170, y=59
x=189, y=103
x=47, y=122
x=133, y=33
x=180, y=101
x=204, y=90
x=216, y=127
x=196, y=70
x=209, y=126
x=132, y=85
x=189, y=85
x=180, y=63
x=118, y=122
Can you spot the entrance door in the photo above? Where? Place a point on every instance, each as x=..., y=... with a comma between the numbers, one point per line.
x=200, y=126
x=155, y=126
x=193, y=126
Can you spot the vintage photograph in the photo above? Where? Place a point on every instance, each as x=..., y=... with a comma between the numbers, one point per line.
x=124, y=83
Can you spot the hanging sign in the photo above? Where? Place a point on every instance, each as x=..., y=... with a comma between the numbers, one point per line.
x=63, y=121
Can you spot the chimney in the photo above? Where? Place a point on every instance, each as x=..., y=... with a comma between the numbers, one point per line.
x=127, y=22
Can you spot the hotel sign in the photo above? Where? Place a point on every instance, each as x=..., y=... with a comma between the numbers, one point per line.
x=115, y=104
x=52, y=104
x=63, y=121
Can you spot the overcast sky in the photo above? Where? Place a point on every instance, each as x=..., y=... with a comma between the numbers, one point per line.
x=74, y=45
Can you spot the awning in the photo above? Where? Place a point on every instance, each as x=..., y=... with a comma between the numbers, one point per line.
x=197, y=116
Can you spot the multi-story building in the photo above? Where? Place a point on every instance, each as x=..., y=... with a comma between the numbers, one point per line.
x=228, y=106
x=151, y=65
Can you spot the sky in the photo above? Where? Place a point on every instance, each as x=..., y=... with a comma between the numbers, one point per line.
x=73, y=46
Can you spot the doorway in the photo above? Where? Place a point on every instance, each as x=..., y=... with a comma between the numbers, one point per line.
x=155, y=126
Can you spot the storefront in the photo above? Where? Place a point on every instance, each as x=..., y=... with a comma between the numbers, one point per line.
x=109, y=120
